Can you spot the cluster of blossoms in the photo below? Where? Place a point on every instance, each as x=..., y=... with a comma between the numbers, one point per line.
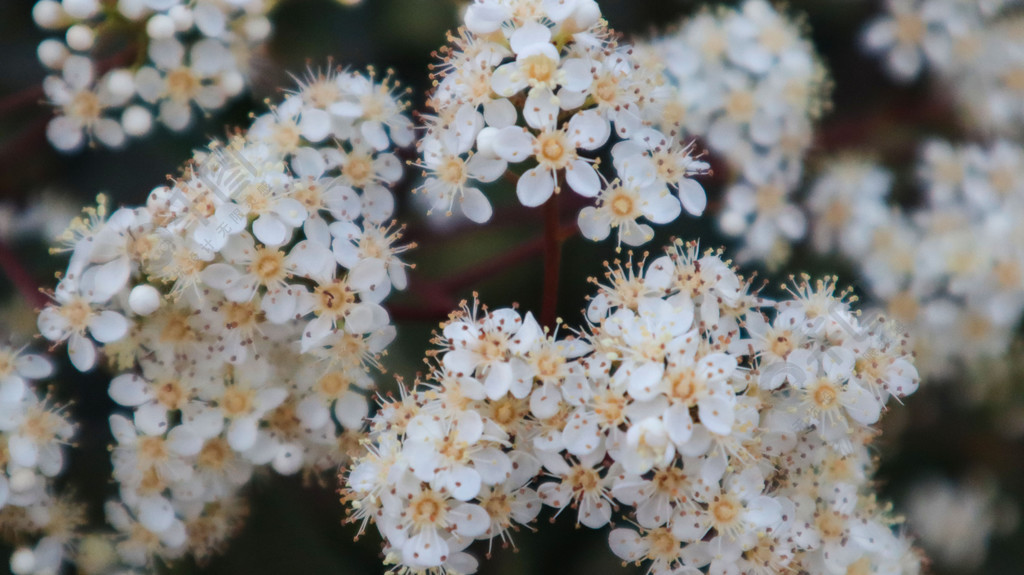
x=984, y=513
x=730, y=429
x=175, y=57
x=240, y=310
x=33, y=434
x=545, y=86
x=749, y=83
x=952, y=270
x=977, y=48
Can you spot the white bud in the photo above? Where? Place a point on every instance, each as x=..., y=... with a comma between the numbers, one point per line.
x=22, y=480
x=160, y=27
x=182, y=17
x=257, y=29
x=144, y=299
x=49, y=14
x=132, y=9
x=137, y=120
x=485, y=141
x=52, y=53
x=586, y=14
x=232, y=82
x=23, y=561
x=81, y=9
x=120, y=84
x=80, y=37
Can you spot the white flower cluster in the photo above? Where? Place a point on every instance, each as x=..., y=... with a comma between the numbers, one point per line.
x=241, y=311
x=750, y=84
x=951, y=270
x=976, y=48
x=940, y=35
x=544, y=84
x=984, y=512
x=177, y=56
x=729, y=438
x=33, y=434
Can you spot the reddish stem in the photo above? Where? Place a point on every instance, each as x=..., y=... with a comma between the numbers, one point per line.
x=19, y=276
x=552, y=262
x=28, y=96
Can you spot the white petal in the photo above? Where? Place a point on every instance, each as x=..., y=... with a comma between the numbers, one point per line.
x=129, y=390
x=693, y=197
x=470, y=520
x=535, y=187
x=151, y=419
x=108, y=326
x=588, y=130
x=583, y=179
x=270, y=230
x=475, y=205
x=82, y=353
x=242, y=433
x=462, y=482
x=513, y=144
x=717, y=414
x=155, y=514
x=499, y=113
x=315, y=125
x=594, y=224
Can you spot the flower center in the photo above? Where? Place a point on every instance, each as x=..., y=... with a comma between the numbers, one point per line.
x=322, y=93
x=284, y=421
x=358, y=170
x=507, y=411
x=182, y=85
x=215, y=454
x=740, y=106
x=427, y=510
x=6, y=363
x=622, y=205
x=268, y=266
x=151, y=450
x=825, y=395
x=453, y=171
x=606, y=89
x=498, y=506
x=85, y=106
x=171, y=395
x=553, y=150
x=910, y=29
x=236, y=401
x=663, y=545
x=286, y=136
x=782, y=343
x=685, y=385
x=241, y=315
x=332, y=384
x=769, y=198
x=177, y=330
x=585, y=479
x=333, y=299
x=538, y=69
x=77, y=312
x=611, y=407
x=1014, y=80
x=724, y=510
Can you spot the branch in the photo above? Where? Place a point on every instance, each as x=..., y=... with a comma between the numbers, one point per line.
x=552, y=262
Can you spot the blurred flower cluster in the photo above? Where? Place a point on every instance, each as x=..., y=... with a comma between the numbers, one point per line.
x=118, y=65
